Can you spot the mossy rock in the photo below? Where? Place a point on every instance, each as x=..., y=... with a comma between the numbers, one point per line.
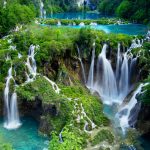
x=103, y=135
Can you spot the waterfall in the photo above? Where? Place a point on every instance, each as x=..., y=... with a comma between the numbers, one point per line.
x=42, y=11
x=119, y=59
x=11, y=110
x=54, y=85
x=82, y=66
x=124, y=78
x=60, y=136
x=125, y=114
x=19, y=55
x=106, y=83
x=90, y=82
x=58, y=23
x=31, y=63
x=4, y=4
x=82, y=24
x=93, y=24
x=114, y=87
x=135, y=44
x=80, y=3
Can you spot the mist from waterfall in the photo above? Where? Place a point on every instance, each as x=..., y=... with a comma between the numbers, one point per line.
x=12, y=120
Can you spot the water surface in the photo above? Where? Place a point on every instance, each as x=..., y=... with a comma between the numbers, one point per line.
x=130, y=29
x=76, y=15
x=24, y=138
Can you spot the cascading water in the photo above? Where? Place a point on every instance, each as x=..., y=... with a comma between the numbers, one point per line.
x=114, y=87
x=90, y=82
x=11, y=109
x=124, y=78
x=82, y=66
x=59, y=23
x=80, y=2
x=124, y=115
x=4, y=4
x=31, y=64
x=105, y=83
x=135, y=44
x=19, y=55
x=119, y=60
x=42, y=11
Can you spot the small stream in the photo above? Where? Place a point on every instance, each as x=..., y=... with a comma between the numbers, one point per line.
x=24, y=138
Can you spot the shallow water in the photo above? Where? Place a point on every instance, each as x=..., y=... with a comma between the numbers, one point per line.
x=76, y=15
x=24, y=138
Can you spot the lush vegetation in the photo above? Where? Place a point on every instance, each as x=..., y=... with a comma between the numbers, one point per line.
x=144, y=97
x=103, y=135
x=135, y=10
x=51, y=61
x=13, y=14
x=76, y=110
x=102, y=21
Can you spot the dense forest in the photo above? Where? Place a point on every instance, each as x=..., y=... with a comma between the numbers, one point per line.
x=23, y=11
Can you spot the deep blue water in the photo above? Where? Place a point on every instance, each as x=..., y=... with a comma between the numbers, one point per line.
x=76, y=15
x=24, y=138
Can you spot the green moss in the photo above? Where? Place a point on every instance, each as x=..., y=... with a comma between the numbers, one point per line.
x=72, y=140
x=63, y=117
x=40, y=87
x=91, y=104
x=103, y=135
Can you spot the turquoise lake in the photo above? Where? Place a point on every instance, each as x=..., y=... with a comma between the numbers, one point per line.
x=24, y=138
x=77, y=15
x=130, y=29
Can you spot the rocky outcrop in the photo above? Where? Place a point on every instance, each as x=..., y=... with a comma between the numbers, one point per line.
x=143, y=122
x=42, y=112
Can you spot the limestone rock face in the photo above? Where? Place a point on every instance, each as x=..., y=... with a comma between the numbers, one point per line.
x=45, y=127
x=42, y=112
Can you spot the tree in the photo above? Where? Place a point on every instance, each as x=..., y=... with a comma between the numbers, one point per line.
x=124, y=10
x=14, y=14
x=71, y=141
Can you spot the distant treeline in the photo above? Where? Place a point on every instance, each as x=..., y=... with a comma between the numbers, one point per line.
x=134, y=10
x=23, y=11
